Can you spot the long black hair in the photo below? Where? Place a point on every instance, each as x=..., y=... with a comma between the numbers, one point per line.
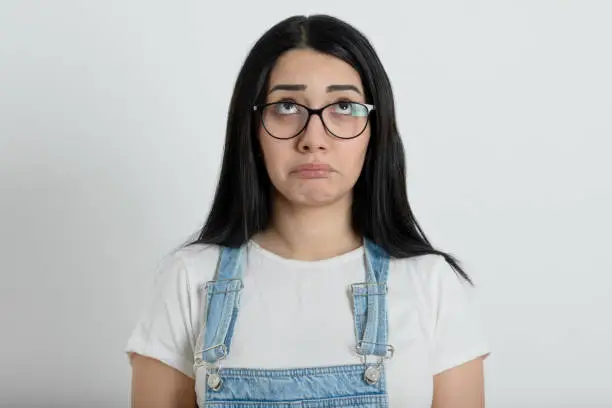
x=242, y=203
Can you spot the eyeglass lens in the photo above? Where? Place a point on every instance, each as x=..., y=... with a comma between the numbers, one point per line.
x=285, y=120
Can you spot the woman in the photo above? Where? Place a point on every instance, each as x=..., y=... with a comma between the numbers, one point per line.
x=311, y=283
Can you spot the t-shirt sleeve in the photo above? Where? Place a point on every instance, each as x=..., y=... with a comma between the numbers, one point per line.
x=458, y=335
x=164, y=330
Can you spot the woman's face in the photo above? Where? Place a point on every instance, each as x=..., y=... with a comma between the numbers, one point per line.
x=315, y=167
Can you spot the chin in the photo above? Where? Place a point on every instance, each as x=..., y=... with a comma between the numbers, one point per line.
x=306, y=194
x=317, y=199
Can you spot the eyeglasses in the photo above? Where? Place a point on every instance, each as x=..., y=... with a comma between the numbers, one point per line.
x=286, y=120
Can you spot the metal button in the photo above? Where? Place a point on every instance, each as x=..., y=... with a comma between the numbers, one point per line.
x=372, y=375
x=214, y=381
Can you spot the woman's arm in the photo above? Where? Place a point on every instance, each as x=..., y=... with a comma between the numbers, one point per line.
x=157, y=385
x=460, y=387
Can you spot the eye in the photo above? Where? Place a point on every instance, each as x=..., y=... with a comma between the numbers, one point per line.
x=286, y=108
x=350, y=109
x=344, y=107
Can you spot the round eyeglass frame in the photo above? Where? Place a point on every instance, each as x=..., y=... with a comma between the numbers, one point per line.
x=319, y=112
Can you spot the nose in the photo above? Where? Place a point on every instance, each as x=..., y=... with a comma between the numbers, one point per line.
x=314, y=137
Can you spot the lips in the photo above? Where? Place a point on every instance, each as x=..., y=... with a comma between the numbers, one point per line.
x=313, y=167
x=312, y=170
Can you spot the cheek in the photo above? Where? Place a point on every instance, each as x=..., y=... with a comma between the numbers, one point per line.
x=275, y=157
x=357, y=156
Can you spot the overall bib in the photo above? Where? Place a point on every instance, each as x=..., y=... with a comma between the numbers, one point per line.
x=355, y=385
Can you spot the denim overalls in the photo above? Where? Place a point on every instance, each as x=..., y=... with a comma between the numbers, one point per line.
x=354, y=385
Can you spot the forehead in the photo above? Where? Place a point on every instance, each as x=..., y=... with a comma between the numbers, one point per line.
x=313, y=68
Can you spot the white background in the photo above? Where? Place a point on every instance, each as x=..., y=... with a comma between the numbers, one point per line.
x=112, y=118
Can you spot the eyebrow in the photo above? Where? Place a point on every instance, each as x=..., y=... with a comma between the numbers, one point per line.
x=301, y=87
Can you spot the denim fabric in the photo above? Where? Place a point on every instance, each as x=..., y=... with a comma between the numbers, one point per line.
x=370, y=303
x=315, y=387
x=337, y=386
x=370, y=313
x=223, y=300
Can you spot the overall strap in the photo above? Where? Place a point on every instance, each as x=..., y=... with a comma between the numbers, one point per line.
x=222, y=304
x=370, y=304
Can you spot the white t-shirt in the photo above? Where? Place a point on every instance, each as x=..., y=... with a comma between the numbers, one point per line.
x=298, y=314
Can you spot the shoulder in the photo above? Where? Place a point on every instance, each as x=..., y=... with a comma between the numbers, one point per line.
x=429, y=279
x=199, y=260
x=426, y=269
x=188, y=267
x=169, y=323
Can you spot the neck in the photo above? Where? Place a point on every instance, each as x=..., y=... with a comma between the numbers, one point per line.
x=310, y=233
